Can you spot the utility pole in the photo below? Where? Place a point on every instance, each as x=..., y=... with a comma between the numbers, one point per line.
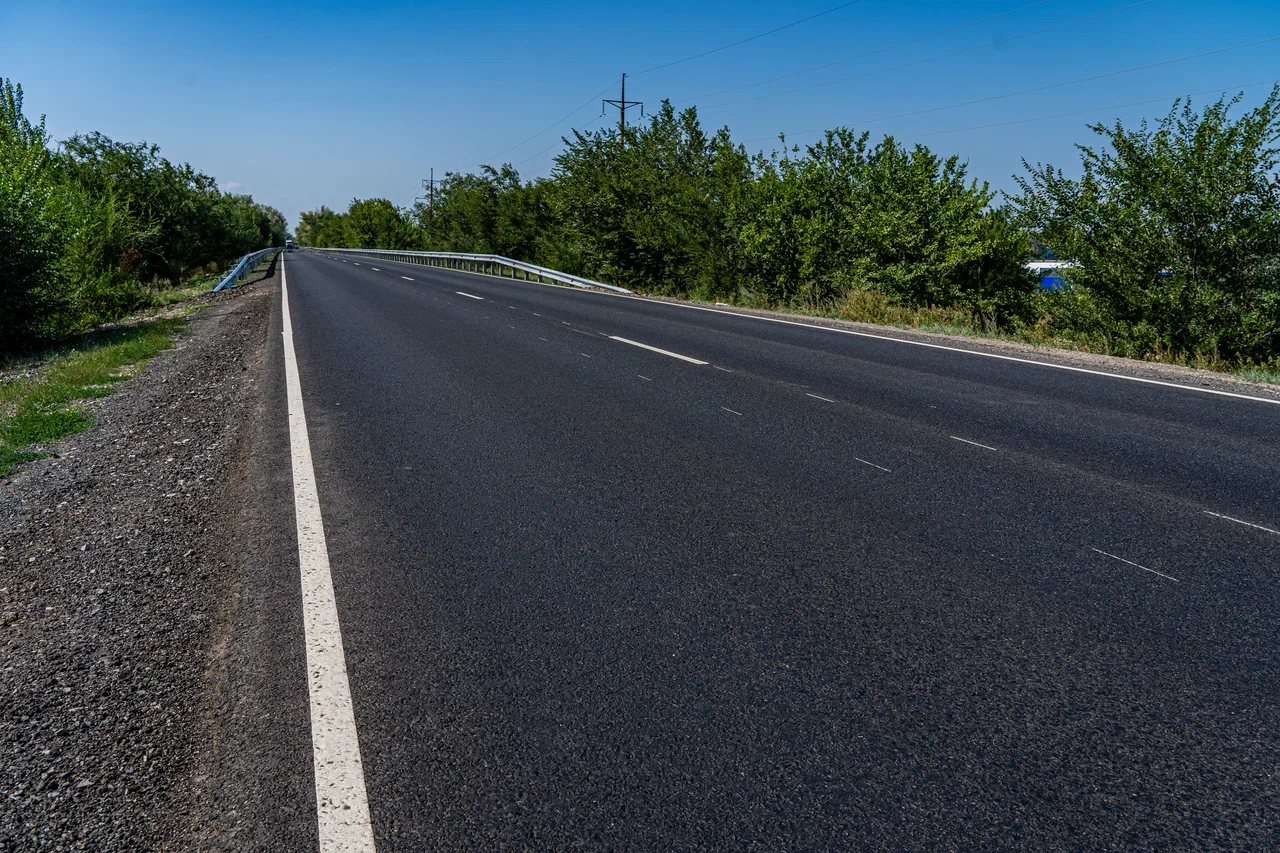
x=429, y=184
x=622, y=105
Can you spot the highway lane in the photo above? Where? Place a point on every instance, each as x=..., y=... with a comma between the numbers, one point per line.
x=821, y=592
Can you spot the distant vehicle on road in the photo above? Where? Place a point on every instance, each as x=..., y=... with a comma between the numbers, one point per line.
x=290, y=246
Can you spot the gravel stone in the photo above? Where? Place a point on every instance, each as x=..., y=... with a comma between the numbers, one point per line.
x=112, y=586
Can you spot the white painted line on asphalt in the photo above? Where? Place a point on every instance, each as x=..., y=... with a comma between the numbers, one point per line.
x=512, y=307
x=565, y=322
x=584, y=355
x=375, y=269
x=356, y=263
x=974, y=443
x=953, y=349
x=725, y=369
x=543, y=339
x=510, y=327
x=655, y=349
x=536, y=314
x=406, y=278
x=645, y=378
x=342, y=806
x=1245, y=523
x=1131, y=563
x=468, y=295
x=872, y=464
x=731, y=411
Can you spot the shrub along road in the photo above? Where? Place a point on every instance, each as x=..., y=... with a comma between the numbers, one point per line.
x=618, y=574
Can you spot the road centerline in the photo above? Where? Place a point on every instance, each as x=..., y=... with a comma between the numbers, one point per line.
x=469, y=295
x=974, y=443
x=1135, y=565
x=657, y=350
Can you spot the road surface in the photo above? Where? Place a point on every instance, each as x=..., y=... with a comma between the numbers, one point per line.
x=622, y=575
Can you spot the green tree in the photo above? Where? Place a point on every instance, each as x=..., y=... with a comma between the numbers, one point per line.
x=1175, y=230
x=376, y=223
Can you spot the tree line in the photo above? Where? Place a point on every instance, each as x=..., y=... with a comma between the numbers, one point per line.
x=91, y=228
x=1173, y=229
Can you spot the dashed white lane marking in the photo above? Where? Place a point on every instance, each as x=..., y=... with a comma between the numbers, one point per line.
x=356, y=263
x=406, y=278
x=1135, y=565
x=1238, y=521
x=469, y=296
x=543, y=339
x=375, y=269
x=584, y=355
x=536, y=314
x=566, y=323
x=645, y=378
x=974, y=443
x=342, y=806
x=725, y=369
x=655, y=349
x=872, y=464
x=731, y=411
x=823, y=399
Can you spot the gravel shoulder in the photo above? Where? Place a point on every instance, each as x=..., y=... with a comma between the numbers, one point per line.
x=115, y=579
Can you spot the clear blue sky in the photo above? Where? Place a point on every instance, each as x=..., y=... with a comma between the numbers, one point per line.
x=304, y=104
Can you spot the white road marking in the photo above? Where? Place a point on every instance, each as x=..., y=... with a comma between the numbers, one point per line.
x=512, y=307
x=468, y=295
x=584, y=355
x=824, y=399
x=974, y=443
x=1245, y=523
x=543, y=339
x=406, y=278
x=655, y=349
x=536, y=314
x=375, y=269
x=342, y=806
x=566, y=323
x=731, y=411
x=725, y=369
x=356, y=263
x=978, y=353
x=872, y=464
x=1131, y=563
x=645, y=378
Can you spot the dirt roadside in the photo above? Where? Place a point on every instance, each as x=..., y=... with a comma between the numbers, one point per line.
x=113, y=582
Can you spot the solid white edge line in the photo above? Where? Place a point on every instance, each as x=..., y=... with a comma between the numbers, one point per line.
x=342, y=805
x=655, y=349
x=468, y=295
x=1135, y=565
x=1238, y=521
x=909, y=342
x=974, y=443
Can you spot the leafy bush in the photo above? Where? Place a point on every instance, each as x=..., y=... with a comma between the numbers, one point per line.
x=1175, y=232
x=87, y=232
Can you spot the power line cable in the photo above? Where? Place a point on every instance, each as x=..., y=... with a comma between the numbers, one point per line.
x=557, y=142
x=875, y=52
x=1166, y=98
x=1042, y=88
x=916, y=62
x=551, y=126
x=745, y=40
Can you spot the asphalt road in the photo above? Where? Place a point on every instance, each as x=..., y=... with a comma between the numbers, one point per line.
x=822, y=592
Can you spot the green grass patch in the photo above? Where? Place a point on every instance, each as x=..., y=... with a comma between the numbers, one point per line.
x=39, y=407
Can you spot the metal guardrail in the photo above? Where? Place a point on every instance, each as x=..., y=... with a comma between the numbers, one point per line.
x=246, y=265
x=487, y=264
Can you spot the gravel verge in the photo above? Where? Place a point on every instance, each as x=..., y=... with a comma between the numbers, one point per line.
x=113, y=563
